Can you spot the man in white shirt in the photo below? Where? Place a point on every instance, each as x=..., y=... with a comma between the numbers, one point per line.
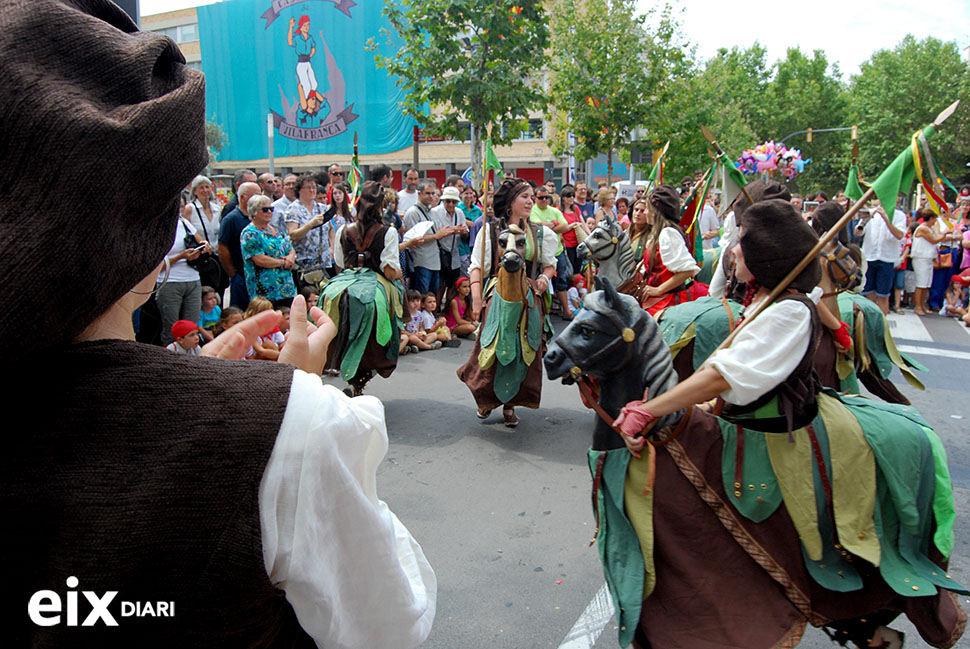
x=280, y=205
x=407, y=197
x=710, y=226
x=881, y=245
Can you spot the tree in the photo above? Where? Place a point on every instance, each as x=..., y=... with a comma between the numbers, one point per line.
x=215, y=138
x=607, y=74
x=474, y=60
x=901, y=90
x=807, y=92
x=727, y=95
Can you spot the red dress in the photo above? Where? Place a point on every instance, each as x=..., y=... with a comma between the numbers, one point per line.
x=657, y=274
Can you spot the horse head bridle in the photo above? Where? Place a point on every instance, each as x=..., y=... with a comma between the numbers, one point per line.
x=837, y=254
x=628, y=334
x=612, y=240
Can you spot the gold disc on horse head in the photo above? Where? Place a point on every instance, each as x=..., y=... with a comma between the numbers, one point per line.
x=615, y=241
x=629, y=335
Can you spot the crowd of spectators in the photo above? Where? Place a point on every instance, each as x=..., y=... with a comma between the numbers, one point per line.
x=276, y=237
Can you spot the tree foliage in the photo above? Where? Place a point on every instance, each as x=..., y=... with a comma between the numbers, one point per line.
x=478, y=61
x=608, y=73
x=900, y=90
x=215, y=138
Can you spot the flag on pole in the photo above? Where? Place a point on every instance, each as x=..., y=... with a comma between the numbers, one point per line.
x=656, y=176
x=691, y=213
x=853, y=189
x=731, y=180
x=899, y=176
x=355, y=184
x=491, y=163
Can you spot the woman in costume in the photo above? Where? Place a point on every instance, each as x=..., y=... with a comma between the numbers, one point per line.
x=669, y=264
x=639, y=231
x=765, y=382
x=366, y=299
x=505, y=368
x=259, y=519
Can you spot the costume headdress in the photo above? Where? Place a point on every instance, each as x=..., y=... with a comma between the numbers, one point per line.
x=87, y=94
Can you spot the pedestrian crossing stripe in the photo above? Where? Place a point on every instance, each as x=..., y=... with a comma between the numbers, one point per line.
x=908, y=326
x=934, y=351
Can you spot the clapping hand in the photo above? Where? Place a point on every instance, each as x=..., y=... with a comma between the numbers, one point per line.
x=306, y=344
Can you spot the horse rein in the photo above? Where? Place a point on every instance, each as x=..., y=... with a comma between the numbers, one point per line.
x=587, y=389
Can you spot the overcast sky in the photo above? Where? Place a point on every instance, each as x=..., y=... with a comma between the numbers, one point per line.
x=848, y=31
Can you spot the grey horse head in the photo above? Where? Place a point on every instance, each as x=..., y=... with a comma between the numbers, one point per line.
x=609, y=245
x=615, y=341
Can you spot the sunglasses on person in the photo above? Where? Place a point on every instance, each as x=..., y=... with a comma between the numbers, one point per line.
x=568, y=195
x=266, y=209
x=337, y=173
x=542, y=198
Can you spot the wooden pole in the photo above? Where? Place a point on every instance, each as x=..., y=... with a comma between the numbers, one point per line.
x=806, y=260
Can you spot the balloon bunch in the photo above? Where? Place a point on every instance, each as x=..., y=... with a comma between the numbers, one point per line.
x=769, y=158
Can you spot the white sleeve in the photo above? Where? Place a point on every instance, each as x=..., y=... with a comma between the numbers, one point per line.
x=718, y=280
x=390, y=255
x=338, y=248
x=765, y=352
x=352, y=572
x=550, y=244
x=730, y=234
x=482, y=239
x=674, y=253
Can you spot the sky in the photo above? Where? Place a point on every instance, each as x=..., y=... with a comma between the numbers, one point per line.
x=848, y=31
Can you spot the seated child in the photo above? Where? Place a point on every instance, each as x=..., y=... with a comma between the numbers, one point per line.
x=311, y=296
x=265, y=348
x=231, y=316
x=459, y=314
x=576, y=293
x=954, y=298
x=210, y=314
x=429, y=305
x=414, y=338
x=285, y=323
x=186, y=335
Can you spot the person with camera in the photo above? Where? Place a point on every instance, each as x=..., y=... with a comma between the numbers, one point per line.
x=268, y=256
x=881, y=245
x=180, y=298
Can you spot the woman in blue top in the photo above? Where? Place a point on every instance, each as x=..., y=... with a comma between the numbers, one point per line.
x=268, y=256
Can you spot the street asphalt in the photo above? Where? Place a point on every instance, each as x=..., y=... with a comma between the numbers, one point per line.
x=504, y=514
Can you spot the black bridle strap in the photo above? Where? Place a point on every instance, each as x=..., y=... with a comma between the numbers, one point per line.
x=616, y=248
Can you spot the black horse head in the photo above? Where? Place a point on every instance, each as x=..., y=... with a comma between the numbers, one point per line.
x=615, y=341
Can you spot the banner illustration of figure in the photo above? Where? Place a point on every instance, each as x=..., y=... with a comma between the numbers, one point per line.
x=307, y=120
x=306, y=47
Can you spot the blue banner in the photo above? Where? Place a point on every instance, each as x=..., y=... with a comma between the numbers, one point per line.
x=304, y=61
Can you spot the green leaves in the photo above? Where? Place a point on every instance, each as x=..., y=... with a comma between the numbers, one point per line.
x=901, y=90
x=466, y=61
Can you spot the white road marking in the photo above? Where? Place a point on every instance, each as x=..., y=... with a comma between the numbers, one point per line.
x=590, y=624
x=961, y=326
x=908, y=327
x=933, y=351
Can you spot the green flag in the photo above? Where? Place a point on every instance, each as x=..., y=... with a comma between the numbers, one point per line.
x=898, y=177
x=732, y=180
x=852, y=188
x=491, y=160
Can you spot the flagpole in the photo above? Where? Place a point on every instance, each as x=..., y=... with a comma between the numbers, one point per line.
x=717, y=147
x=485, y=220
x=813, y=253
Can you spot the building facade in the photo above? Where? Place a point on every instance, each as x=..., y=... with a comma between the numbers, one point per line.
x=528, y=157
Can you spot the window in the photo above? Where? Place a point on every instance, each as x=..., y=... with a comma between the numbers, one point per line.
x=182, y=33
x=188, y=33
x=195, y=65
x=534, y=131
